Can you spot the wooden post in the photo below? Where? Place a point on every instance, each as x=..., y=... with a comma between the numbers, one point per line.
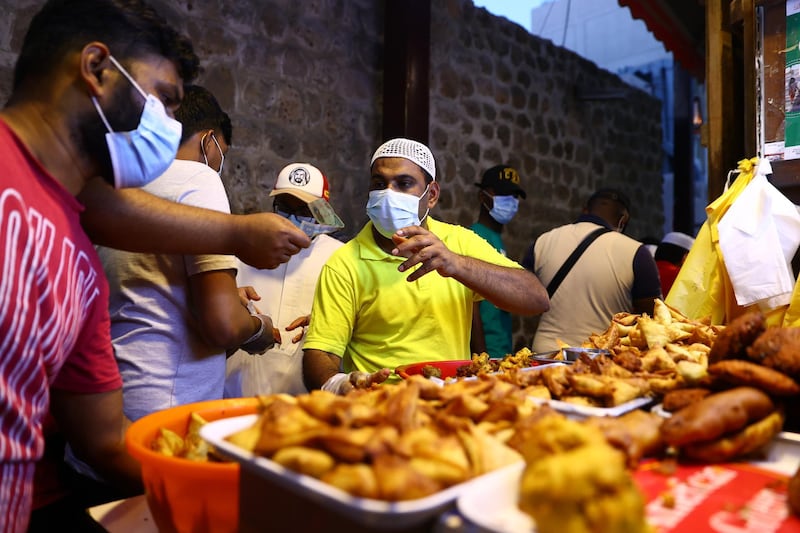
x=723, y=135
x=407, y=42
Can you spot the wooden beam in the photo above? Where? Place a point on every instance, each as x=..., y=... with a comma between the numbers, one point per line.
x=407, y=43
x=749, y=74
x=719, y=96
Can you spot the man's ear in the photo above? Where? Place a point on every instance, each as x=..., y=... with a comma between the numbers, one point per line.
x=94, y=68
x=433, y=194
x=623, y=222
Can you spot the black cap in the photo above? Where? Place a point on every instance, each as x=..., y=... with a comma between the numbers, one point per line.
x=610, y=194
x=503, y=180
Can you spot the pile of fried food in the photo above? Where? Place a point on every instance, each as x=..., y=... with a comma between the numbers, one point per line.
x=191, y=446
x=574, y=481
x=396, y=442
x=735, y=409
x=483, y=364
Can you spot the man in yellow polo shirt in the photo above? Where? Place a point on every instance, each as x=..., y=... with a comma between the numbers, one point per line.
x=403, y=290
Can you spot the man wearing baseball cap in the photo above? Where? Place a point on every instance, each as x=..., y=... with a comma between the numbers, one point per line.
x=498, y=196
x=301, y=194
x=402, y=291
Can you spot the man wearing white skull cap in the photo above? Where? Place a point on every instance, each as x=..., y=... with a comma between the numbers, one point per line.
x=402, y=291
x=670, y=255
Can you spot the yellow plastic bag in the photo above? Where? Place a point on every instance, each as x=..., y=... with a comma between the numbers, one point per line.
x=702, y=287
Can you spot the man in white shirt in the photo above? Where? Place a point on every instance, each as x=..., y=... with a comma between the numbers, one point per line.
x=287, y=291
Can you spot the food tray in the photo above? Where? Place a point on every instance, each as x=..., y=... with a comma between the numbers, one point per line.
x=448, y=368
x=583, y=411
x=569, y=356
x=570, y=409
x=366, y=512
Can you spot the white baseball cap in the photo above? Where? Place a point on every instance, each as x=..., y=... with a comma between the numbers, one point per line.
x=414, y=151
x=302, y=180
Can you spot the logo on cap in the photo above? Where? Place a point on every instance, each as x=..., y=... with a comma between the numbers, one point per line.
x=509, y=174
x=299, y=177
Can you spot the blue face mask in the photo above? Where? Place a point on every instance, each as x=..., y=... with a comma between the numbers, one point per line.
x=141, y=155
x=505, y=207
x=390, y=211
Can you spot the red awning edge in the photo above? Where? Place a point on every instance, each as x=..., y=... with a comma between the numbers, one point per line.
x=668, y=29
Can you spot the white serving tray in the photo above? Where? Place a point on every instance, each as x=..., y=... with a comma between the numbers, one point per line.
x=583, y=411
x=377, y=514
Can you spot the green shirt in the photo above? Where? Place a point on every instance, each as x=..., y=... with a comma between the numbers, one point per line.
x=366, y=312
x=496, y=322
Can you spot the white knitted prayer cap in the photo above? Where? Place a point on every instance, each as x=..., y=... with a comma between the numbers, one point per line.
x=414, y=151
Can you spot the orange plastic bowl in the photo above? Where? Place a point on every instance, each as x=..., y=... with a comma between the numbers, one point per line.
x=187, y=495
x=448, y=368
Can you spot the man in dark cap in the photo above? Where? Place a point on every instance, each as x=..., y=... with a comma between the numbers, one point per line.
x=612, y=274
x=498, y=195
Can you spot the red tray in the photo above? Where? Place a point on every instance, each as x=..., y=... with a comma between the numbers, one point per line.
x=726, y=497
x=448, y=368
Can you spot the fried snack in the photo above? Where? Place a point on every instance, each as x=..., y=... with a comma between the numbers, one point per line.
x=678, y=399
x=167, y=442
x=744, y=442
x=716, y=415
x=430, y=371
x=192, y=446
x=637, y=434
x=741, y=332
x=778, y=348
x=359, y=480
x=794, y=493
x=739, y=372
x=575, y=482
x=307, y=461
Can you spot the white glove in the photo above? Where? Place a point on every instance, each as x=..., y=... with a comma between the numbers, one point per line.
x=342, y=383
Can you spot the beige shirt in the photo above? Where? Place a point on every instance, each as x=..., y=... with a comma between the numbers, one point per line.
x=597, y=287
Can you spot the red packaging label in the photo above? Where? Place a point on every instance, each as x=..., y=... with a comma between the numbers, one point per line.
x=727, y=498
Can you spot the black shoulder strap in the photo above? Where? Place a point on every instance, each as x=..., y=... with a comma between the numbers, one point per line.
x=572, y=259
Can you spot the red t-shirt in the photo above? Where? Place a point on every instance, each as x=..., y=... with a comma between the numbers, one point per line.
x=667, y=272
x=54, y=324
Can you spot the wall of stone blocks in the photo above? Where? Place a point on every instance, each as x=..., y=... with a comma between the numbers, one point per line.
x=501, y=95
x=303, y=81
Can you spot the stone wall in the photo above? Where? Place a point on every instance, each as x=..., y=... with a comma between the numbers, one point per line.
x=302, y=81
x=500, y=95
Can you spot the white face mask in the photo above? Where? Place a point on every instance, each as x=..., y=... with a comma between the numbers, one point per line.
x=203, y=149
x=140, y=156
x=390, y=211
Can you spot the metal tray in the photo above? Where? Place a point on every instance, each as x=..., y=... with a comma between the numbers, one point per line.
x=369, y=513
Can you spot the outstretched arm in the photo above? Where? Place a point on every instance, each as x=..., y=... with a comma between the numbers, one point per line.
x=133, y=220
x=512, y=289
x=321, y=371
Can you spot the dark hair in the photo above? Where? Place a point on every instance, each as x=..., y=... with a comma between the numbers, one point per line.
x=199, y=111
x=130, y=28
x=670, y=252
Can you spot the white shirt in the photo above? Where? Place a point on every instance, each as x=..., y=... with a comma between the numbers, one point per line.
x=287, y=293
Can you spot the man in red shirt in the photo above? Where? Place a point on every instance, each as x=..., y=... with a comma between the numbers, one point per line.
x=670, y=255
x=94, y=89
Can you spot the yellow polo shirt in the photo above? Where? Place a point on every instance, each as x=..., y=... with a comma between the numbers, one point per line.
x=366, y=312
